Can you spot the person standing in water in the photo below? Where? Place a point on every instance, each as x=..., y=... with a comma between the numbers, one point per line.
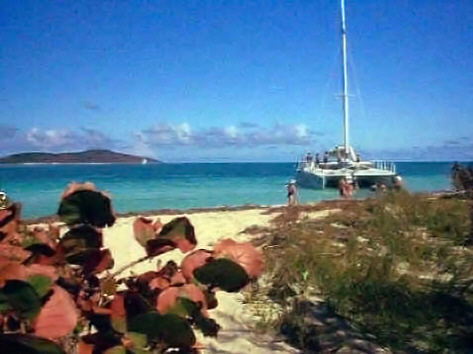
x=291, y=193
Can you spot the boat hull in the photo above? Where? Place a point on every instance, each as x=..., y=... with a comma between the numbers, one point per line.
x=320, y=179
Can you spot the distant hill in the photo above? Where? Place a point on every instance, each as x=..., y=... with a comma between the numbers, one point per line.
x=89, y=156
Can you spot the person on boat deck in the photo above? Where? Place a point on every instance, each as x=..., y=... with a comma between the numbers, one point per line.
x=317, y=159
x=309, y=158
x=291, y=193
x=326, y=157
x=358, y=158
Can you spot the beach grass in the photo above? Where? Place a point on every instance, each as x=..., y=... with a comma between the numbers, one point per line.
x=390, y=271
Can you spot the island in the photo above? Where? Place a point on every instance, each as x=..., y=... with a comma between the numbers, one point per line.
x=88, y=156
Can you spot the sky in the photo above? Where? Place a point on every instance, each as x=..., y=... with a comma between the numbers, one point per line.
x=227, y=80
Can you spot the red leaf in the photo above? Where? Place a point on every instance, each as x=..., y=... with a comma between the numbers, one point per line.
x=178, y=279
x=74, y=187
x=9, y=222
x=57, y=317
x=13, y=253
x=11, y=271
x=84, y=348
x=178, y=233
x=193, y=261
x=168, y=298
x=45, y=237
x=159, y=283
x=39, y=269
x=245, y=254
x=144, y=230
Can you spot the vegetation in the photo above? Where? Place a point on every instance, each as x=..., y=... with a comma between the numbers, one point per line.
x=391, y=270
x=89, y=156
x=57, y=295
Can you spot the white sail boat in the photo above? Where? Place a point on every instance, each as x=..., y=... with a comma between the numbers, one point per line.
x=342, y=161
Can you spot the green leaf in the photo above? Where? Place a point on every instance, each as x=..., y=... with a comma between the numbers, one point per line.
x=40, y=283
x=22, y=297
x=181, y=232
x=28, y=344
x=4, y=304
x=139, y=340
x=140, y=351
x=86, y=207
x=184, y=307
x=170, y=329
x=79, y=238
x=222, y=273
x=120, y=349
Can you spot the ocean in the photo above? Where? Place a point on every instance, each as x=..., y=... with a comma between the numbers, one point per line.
x=135, y=188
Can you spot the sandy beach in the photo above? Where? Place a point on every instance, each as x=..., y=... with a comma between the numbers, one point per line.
x=236, y=320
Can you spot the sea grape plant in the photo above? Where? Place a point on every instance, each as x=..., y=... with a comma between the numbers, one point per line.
x=55, y=286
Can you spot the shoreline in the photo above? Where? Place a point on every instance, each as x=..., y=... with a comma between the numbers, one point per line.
x=170, y=211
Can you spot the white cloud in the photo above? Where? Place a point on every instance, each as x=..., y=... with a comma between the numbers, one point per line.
x=165, y=134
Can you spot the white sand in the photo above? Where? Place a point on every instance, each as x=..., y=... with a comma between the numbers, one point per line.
x=236, y=335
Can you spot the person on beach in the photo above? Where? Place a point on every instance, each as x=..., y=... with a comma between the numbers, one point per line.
x=397, y=183
x=291, y=193
x=345, y=189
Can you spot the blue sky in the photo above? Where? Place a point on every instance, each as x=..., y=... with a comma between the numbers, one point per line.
x=236, y=80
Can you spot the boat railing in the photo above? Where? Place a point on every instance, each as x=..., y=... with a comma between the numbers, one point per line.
x=385, y=165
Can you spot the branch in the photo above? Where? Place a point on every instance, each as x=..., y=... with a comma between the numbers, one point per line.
x=126, y=266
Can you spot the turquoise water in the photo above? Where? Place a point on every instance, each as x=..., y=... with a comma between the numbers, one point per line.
x=182, y=186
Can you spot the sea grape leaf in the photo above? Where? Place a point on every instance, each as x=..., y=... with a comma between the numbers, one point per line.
x=11, y=271
x=182, y=300
x=86, y=207
x=243, y=253
x=178, y=233
x=173, y=330
x=102, y=340
x=158, y=246
x=28, y=344
x=97, y=261
x=40, y=283
x=13, y=253
x=42, y=269
x=135, y=305
x=9, y=221
x=211, y=299
x=22, y=297
x=81, y=237
x=84, y=348
x=193, y=261
x=181, y=232
x=38, y=248
x=144, y=230
x=119, y=349
x=222, y=273
x=82, y=257
x=118, y=317
x=139, y=340
x=58, y=316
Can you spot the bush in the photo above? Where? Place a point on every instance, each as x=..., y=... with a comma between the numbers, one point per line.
x=54, y=287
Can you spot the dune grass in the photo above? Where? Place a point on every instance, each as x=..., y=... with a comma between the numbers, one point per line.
x=394, y=268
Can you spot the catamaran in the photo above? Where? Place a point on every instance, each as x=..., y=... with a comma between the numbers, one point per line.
x=342, y=161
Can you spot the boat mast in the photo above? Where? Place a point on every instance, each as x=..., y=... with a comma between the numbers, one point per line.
x=344, y=79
